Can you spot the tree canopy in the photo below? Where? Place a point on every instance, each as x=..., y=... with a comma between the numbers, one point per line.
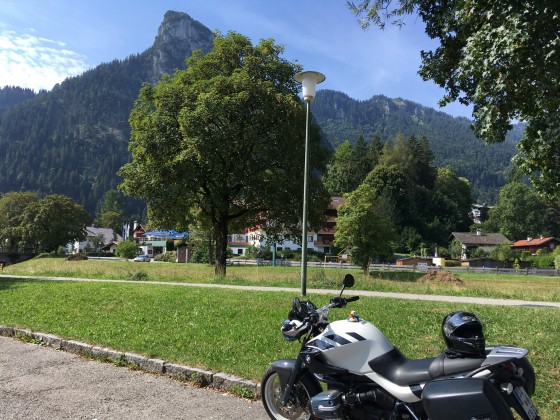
x=500, y=56
x=12, y=206
x=221, y=144
x=44, y=224
x=365, y=226
x=520, y=212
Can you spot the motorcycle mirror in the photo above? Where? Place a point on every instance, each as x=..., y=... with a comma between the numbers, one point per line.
x=348, y=280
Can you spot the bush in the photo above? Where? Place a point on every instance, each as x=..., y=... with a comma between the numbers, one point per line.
x=77, y=257
x=287, y=254
x=170, y=256
x=452, y=263
x=127, y=249
x=544, y=261
x=139, y=276
x=200, y=255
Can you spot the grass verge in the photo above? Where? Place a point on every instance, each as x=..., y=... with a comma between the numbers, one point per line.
x=237, y=332
x=536, y=288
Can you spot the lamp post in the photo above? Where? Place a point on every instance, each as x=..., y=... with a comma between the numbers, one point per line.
x=309, y=81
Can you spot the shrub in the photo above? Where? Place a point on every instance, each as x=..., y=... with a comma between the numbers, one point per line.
x=544, y=261
x=200, y=255
x=557, y=262
x=452, y=263
x=76, y=257
x=127, y=249
x=170, y=256
x=139, y=276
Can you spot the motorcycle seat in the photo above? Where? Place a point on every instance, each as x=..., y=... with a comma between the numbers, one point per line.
x=402, y=371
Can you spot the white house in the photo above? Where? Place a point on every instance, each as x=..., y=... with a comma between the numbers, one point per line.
x=108, y=241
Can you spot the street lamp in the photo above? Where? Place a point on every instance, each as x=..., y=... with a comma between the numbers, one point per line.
x=309, y=81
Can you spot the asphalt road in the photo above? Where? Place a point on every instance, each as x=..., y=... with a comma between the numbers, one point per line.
x=42, y=383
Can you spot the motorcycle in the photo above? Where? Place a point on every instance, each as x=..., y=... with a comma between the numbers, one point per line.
x=348, y=369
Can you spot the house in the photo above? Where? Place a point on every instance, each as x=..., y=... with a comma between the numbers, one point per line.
x=97, y=239
x=478, y=239
x=320, y=241
x=323, y=239
x=239, y=242
x=154, y=242
x=534, y=244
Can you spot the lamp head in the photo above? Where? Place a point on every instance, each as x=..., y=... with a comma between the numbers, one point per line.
x=309, y=81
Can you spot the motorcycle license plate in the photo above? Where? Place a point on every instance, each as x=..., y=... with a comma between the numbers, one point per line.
x=526, y=402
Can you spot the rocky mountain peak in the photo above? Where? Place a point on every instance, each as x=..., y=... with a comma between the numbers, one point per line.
x=178, y=36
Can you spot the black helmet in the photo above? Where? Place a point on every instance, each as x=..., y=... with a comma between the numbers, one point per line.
x=463, y=334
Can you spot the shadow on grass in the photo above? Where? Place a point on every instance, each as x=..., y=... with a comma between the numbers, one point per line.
x=8, y=283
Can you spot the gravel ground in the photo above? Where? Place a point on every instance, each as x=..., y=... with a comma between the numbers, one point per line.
x=42, y=383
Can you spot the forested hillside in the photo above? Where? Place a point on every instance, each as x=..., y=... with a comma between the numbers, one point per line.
x=451, y=139
x=13, y=95
x=72, y=139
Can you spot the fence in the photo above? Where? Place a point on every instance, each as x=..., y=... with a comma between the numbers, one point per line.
x=404, y=268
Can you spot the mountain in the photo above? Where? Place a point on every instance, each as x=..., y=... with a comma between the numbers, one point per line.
x=13, y=95
x=72, y=139
x=451, y=138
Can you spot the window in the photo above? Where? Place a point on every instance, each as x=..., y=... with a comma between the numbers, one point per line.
x=240, y=251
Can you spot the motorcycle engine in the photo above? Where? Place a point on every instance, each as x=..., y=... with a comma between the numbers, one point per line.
x=327, y=404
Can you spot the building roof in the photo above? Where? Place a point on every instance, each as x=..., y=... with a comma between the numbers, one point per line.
x=533, y=242
x=480, y=238
x=164, y=234
x=108, y=234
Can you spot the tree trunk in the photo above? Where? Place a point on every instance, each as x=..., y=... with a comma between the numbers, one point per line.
x=365, y=267
x=220, y=234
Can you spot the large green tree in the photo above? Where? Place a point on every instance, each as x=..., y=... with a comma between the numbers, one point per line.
x=365, y=226
x=111, y=211
x=501, y=57
x=12, y=206
x=519, y=212
x=348, y=167
x=222, y=144
x=450, y=205
x=53, y=222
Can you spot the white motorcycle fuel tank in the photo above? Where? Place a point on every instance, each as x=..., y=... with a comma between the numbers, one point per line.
x=350, y=344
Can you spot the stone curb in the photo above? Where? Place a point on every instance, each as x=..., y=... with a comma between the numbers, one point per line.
x=199, y=377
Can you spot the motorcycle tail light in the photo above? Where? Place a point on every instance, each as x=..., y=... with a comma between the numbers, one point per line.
x=511, y=367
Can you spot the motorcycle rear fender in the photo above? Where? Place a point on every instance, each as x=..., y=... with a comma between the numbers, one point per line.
x=284, y=369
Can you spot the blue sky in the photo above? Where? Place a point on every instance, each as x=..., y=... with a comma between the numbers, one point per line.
x=44, y=41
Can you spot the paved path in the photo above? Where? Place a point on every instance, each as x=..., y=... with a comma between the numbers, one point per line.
x=43, y=383
x=409, y=296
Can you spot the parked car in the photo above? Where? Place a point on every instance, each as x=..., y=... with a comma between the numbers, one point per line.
x=142, y=258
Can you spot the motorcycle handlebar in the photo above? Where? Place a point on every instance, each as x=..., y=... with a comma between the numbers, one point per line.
x=353, y=299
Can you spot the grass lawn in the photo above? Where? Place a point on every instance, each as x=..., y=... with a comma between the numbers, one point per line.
x=537, y=288
x=238, y=331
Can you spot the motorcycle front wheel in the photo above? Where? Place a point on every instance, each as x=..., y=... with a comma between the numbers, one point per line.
x=299, y=406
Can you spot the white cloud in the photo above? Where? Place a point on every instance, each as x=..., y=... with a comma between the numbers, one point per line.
x=36, y=62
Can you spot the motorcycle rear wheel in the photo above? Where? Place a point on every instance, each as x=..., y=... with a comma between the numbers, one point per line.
x=298, y=408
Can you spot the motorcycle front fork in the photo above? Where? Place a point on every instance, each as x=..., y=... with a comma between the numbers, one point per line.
x=291, y=382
